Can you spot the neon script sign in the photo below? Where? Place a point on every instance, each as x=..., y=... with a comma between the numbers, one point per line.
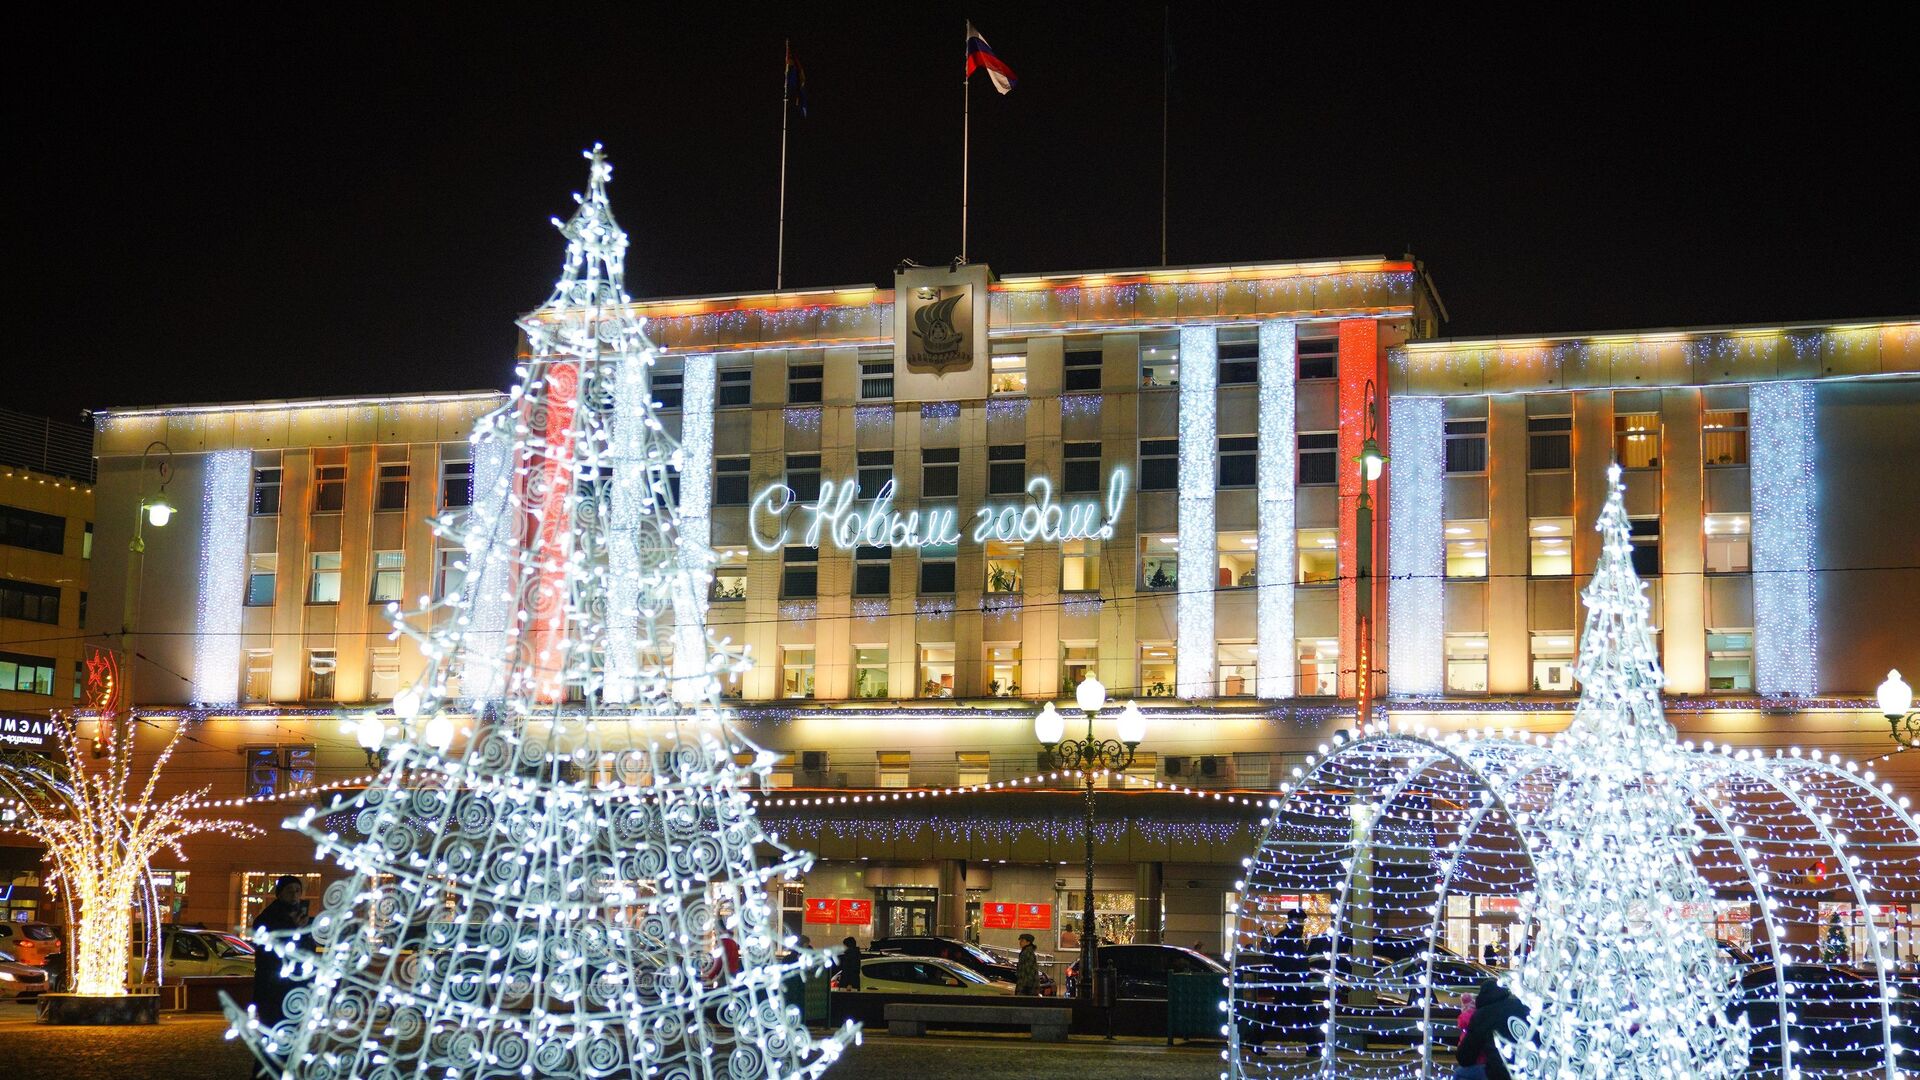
x=834, y=516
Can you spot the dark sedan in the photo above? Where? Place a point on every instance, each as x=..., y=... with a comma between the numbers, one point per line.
x=1141, y=970
x=960, y=952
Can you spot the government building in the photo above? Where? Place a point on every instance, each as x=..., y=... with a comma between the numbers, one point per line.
x=940, y=504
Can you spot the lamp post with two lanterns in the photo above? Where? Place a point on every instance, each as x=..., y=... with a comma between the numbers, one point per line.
x=1896, y=704
x=1090, y=755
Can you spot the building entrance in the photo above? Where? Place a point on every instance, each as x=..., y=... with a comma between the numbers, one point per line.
x=905, y=911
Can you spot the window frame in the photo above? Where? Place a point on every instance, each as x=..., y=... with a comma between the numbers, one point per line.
x=876, y=379
x=1074, y=368
x=1737, y=431
x=1725, y=541
x=1007, y=375
x=939, y=558
x=316, y=573
x=789, y=665
x=1625, y=439
x=941, y=463
x=1461, y=548
x=392, y=476
x=1163, y=458
x=394, y=572
x=254, y=573
x=1316, y=357
x=1466, y=436
x=733, y=388
x=1166, y=564
x=1007, y=469
x=806, y=382
x=1238, y=363
x=1324, y=456
x=1550, y=431
x=1241, y=453
x=872, y=470
x=1471, y=657
x=863, y=664
x=329, y=487
x=795, y=559
x=262, y=485
x=454, y=473
x=1080, y=468
x=872, y=571
x=796, y=467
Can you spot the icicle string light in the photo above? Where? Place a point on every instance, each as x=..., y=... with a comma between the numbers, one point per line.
x=1416, y=549
x=1275, y=558
x=1198, y=552
x=1786, y=628
x=223, y=576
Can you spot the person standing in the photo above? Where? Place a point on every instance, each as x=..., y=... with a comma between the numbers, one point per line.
x=849, y=974
x=1026, y=974
x=288, y=912
x=1495, y=1008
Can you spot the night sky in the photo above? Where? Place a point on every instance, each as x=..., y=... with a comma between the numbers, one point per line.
x=227, y=210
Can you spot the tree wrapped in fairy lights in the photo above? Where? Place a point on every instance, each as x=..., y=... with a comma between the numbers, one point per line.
x=574, y=891
x=1620, y=983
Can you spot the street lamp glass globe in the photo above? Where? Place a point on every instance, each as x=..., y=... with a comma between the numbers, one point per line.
x=1896, y=697
x=159, y=511
x=370, y=732
x=1090, y=694
x=1133, y=723
x=1049, y=726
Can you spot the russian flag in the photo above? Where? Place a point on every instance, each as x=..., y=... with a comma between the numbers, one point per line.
x=980, y=55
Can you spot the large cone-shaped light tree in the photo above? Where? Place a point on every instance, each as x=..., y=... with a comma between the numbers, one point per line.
x=1623, y=983
x=575, y=890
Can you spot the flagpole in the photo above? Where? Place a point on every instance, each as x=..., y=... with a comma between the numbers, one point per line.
x=966, y=141
x=1166, y=90
x=780, y=260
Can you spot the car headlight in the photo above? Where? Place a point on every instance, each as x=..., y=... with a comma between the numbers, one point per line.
x=9, y=976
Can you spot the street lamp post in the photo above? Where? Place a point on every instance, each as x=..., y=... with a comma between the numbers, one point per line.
x=1090, y=755
x=1896, y=704
x=156, y=511
x=1371, y=461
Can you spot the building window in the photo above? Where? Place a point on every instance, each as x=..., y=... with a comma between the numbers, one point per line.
x=1644, y=535
x=893, y=768
x=266, y=491
x=1159, y=464
x=1076, y=663
x=261, y=568
x=259, y=677
x=456, y=482
x=270, y=771
x=1009, y=374
x=324, y=588
x=875, y=469
x=321, y=665
x=1159, y=562
x=803, y=476
x=1466, y=663
x=669, y=388
x=1553, y=662
x=1723, y=437
x=1636, y=440
x=936, y=671
x=86, y=542
x=800, y=573
x=1080, y=468
x=389, y=573
x=729, y=575
x=1159, y=364
x=936, y=570
x=1007, y=469
x=730, y=481
x=1319, y=458
x=876, y=379
x=1318, y=551
x=1729, y=543
x=1080, y=367
x=1080, y=566
x=869, y=671
x=329, y=488
x=1236, y=663
x=940, y=473
x=32, y=530
x=1550, y=547
x=1236, y=560
x=1238, y=457
x=872, y=571
x=803, y=383
x=1003, y=670
x=1239, y=362
x=383, y=673
x=26, y=674
x=1319, y=667
x=1549, y=443
x=391, y=494
x=1730, y=660
x=1004, y=566
x=972, y=768
x=1466, y=549
x=449, y=573
x=735, y=387
x=796, y=671
x=1319, y=357
x=1156, y=669
x=1466, y=446
x=30, y=602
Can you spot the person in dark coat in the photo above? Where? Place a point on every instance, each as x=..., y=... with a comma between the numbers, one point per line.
x=849, y=973
x=1494, y=1008
x=287, y=912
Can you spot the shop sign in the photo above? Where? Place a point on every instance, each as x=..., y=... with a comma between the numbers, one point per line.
x=856, y=912
x=1033, y=917
x=822, y=912
x=21, y=731
x=834, y=516
x=996, y=916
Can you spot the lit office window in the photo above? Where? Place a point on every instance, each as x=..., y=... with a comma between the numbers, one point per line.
x=1080, y=566
x=1003, y=669
x=321, y=665
x=1550, y=547
x=730, y=574
x=796, y=671
x=1730, y=660
x=936, y=671
x=1552, y=655
x=258, y=683
x=894, y=767
x=1723, y=437
x=1004, y=563
x=1636, y=440
x=1159, y=561
x=383, y=672
x=1159, y=364
x=1729, y=543
x=1466, y=663
x=1466, y=549
x=972, y=767
x=1156, y=669
x=1319, y=672
x=324, y=586
x=869, y=671
x=389, y=573
x=1237, y=664
x=449, y=572
x=1077, y=661
x=1236, y=551
x=261, y=570
x=1009, y=374
x=1318, y=552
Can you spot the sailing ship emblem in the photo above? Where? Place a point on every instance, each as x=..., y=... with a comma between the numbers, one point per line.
x=940, y=343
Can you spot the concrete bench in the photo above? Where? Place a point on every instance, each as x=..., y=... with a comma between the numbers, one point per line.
x=1046, y=1024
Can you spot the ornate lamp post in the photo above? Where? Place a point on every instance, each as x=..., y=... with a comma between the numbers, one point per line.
x=1090, y=755
x=1371, y=461
x=1896, y=704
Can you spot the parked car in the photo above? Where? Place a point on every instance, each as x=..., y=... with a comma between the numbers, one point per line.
x=1141, y=970
x=1836, y=1013
x=960, y=952
x=191, y=952
x=20, y=981
x=1453, y=978
x=887, y=974
x=32, y=942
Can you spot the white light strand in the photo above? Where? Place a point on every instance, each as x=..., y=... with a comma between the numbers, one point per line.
x=1198, y=551
x=630, y=501
x=223, y=577
x=1276, y=560
x=1786, y=631
x=483, y=656
x=1416, y=549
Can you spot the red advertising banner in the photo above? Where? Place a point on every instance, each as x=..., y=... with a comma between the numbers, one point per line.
x=997, y=916
x=855, y=912
x=1033, y=916
x=822, y=912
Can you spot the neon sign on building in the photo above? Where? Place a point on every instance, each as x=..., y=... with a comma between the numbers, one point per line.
x=834, y=515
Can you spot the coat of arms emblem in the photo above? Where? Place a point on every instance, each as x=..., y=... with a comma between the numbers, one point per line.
x=937, y=341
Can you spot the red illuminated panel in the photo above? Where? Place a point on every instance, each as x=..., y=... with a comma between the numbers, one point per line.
x=1033, y=917
x=1359, y=362
x=996, y=916
x=550, y=485
x=822, y=911
x=856, y=912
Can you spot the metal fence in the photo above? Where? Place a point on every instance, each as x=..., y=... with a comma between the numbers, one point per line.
x=45, y=445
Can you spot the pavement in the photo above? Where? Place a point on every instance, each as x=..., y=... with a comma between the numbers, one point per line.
x=194, y=1048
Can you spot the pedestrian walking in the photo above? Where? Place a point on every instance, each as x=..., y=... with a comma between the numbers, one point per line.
x=287, y=912
x=1026, y=974
x=849, y=974
x=1494, y=1009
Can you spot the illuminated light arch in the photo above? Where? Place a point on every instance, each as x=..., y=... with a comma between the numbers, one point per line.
x=1454, y=815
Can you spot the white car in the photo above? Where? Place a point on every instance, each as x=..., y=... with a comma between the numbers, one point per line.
x=889, y=974
x=194, y=952
x=18, y=980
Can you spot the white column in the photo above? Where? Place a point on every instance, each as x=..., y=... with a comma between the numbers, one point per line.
x=223, y=577
x=1416, y=548
x=695, y=509
x=1276, y=563
x=1199, y=451
x=1786, y=626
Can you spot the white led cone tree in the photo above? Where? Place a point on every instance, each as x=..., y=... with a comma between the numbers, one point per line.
x=1621, y=984
x=575, y=891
